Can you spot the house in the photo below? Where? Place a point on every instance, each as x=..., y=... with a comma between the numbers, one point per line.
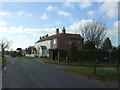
x=30, y=51
x=54, y=46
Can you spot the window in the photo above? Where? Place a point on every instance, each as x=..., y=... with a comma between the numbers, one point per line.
x=70, y=42
x=65, y=42
x=54, y=41
x=78, y=41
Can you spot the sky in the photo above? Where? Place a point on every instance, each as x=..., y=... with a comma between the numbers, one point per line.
x=23, y=23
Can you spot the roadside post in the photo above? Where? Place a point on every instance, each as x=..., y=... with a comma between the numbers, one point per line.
x=109, y=51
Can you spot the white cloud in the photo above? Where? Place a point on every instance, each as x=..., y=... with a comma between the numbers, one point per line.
x=44, y=16
x=22, y=13
x=68, y=4
x=50, y=7
x=114, y=29
x=85, y=4
x=79, y=24
x=3, y=23
x=21, y=30
x=109, y=8
x=5, y=14
x=91, y=13
x=64, y=13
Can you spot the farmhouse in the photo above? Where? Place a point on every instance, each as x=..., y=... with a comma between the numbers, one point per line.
x=55, y=45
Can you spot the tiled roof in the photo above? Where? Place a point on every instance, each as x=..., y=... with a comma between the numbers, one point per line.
x=72, y=36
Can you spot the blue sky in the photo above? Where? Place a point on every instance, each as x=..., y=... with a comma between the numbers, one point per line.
x=24, y=22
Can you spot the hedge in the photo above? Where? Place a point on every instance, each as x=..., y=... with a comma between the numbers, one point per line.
x=93, y=54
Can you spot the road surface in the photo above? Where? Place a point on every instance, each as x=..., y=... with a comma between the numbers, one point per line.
x=25, y=73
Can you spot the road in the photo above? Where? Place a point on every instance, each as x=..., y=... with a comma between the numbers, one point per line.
x=25, y=73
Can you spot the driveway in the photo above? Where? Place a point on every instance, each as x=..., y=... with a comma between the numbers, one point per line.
x=25, y=73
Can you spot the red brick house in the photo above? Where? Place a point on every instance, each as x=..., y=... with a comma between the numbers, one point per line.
x=59, y=42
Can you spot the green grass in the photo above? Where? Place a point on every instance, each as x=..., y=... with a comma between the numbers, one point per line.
x=24, y=57
x=83, y=64
x=101, y=74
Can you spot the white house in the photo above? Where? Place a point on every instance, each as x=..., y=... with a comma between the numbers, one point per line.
x=55, y=45
x=43, y=48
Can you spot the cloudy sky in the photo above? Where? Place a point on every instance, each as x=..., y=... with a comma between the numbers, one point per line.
x=24, y=22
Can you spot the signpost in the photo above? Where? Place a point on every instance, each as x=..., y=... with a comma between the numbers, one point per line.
x=109, y=50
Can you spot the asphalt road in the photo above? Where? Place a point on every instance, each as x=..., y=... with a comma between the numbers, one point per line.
x=24, y=73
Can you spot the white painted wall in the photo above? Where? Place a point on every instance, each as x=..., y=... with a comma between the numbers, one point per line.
x=41, y=52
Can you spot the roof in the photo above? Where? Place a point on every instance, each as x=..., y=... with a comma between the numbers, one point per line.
x=72, y=36
x=118, y=47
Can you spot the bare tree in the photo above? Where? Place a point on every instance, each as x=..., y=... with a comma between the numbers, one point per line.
x=4, y=44
x=94, y=32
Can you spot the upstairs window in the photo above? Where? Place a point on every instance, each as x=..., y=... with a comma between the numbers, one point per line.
x=64, y=42
x=78, y=41
x=70, y=42
x=54, y=41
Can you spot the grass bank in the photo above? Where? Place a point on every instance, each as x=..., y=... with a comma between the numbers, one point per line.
x=101, y=74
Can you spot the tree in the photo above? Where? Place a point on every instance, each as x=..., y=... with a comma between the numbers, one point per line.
x=107, y=44
x=4, y=44
x=19, y=52
x=19, y=49
x=94, y=32
x=88, y=45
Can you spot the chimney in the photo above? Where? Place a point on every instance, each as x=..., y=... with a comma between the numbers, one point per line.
x=63, y=30
x=40, y=37
x=57, y=31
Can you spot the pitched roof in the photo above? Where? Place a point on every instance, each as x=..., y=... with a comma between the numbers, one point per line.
x=72, y=36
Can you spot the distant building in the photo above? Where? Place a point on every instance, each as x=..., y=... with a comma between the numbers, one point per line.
x=52, y=46
x=30, y=51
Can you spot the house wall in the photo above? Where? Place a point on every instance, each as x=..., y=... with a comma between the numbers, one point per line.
x=41, y=52
x=54, y=43
x=63, y=43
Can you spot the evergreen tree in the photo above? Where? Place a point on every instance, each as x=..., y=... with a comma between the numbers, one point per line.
x=74, y=52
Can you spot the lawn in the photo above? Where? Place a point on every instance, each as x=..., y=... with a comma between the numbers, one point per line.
x=88, y=72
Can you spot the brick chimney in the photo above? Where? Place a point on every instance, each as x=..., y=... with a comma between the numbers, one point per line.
x=64, y=30
x=57, y=30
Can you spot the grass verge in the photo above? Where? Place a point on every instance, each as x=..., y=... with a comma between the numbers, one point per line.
x=83, y=64
x=101, y=74
x=24, y=57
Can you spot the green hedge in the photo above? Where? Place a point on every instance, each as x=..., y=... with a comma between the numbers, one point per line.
x=94, y=54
